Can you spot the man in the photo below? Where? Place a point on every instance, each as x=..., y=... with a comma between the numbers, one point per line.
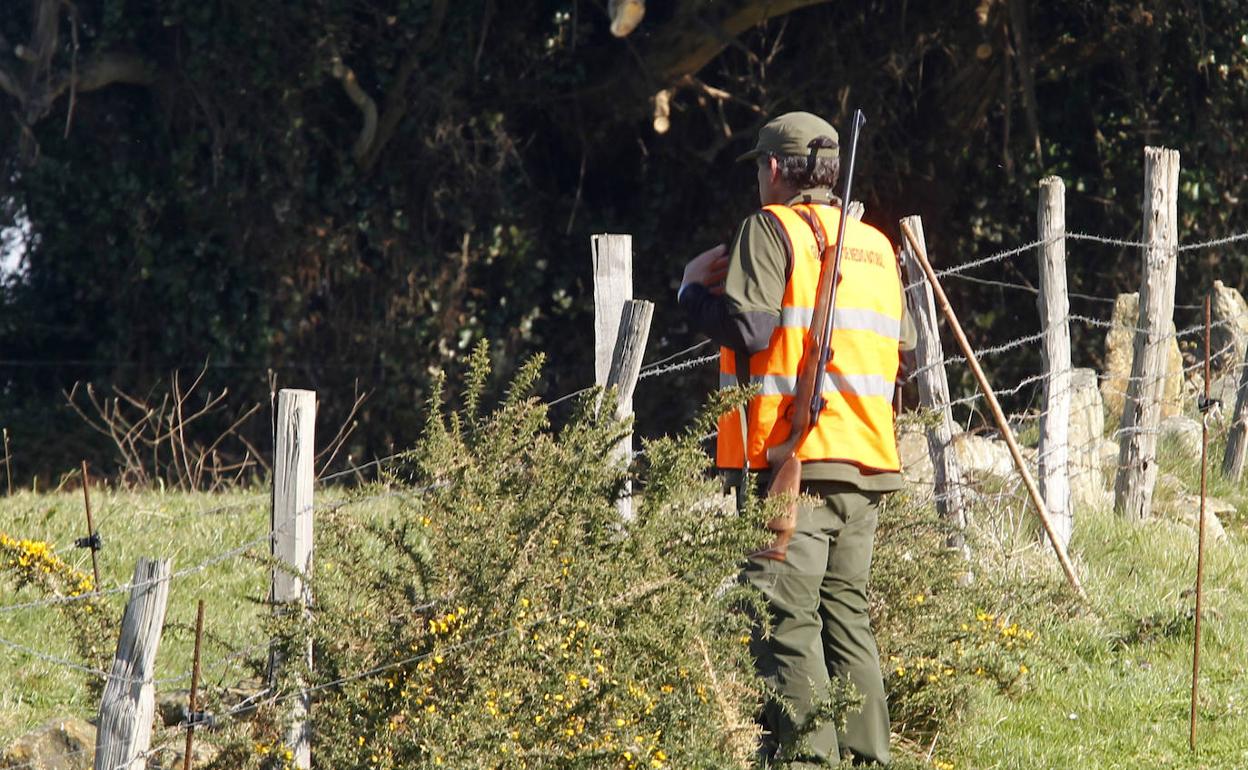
x=756, y=299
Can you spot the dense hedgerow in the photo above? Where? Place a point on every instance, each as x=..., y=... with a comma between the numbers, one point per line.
x=508, y=618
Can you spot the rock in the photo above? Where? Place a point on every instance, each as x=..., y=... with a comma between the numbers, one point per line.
x=979, y=456
x=1184, y=431
x=1087, y=426
x=1119, y=350
x=171, y=757
x=1226, y=390
x=916, y=460
x=1107, y=453
x=1189, y=512
x=1229, y=333
x=62, y=744
x=171, y=707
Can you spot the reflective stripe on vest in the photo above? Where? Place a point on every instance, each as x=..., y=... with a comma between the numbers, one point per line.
x=860, y=385
x=846, y=319
x=856, y=425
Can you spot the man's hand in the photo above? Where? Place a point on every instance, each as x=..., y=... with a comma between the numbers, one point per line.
x=708, y=269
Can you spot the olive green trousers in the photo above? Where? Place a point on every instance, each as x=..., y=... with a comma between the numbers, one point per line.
x=817, y=598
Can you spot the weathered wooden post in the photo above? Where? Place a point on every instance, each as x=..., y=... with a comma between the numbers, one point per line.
x=1054, y=306
x=1141, y=413
x=292, y=539
x=934, y=395
x=1237, y=439
x=613, y=288
x=129, y=700
x=630, y=346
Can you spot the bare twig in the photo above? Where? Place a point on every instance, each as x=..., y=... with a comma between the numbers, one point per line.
x=158, y=443
x=344, y=431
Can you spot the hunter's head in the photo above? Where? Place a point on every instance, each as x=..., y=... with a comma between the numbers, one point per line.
x=796, y=151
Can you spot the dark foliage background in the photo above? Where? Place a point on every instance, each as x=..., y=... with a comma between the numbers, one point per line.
x=193, y=182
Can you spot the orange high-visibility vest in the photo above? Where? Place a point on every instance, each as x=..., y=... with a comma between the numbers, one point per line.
x=856, y=425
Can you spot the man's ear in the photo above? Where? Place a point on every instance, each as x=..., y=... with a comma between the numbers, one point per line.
x=773, y=169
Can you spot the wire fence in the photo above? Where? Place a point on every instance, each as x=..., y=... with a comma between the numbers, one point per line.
x=1088, y=457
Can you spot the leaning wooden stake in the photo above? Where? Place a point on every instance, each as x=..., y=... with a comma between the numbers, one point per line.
x=192, y=715
x=129, y=700
x=293, y=477
x=997, y=414
x=630, y=346
x=1200, y=538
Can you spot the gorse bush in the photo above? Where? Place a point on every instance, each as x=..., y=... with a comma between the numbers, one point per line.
x=508, y=617
x=35, y=564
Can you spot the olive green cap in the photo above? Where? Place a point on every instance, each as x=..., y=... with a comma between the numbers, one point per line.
x=791, y=134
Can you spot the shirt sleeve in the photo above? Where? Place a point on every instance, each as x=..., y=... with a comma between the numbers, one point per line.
x=758, y=267
x=907, y=345
x=909, y=342
x=709, y=314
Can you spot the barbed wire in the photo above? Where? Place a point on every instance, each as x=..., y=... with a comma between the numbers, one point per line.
x=1005, y=254
x=62, y=662
x=648, y=368
x=681, y=366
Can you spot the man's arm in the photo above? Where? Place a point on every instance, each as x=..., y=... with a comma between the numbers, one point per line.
x=743, y=311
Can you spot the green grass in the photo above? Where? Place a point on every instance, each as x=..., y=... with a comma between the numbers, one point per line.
x=131, y=525
x=1111, y=686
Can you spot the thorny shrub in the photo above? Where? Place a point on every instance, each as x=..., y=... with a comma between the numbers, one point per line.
x=35, y=564
x=507, y=617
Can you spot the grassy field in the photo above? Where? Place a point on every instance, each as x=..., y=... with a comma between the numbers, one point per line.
x=1110, y=688
x=189, y=529
x=1106, y=685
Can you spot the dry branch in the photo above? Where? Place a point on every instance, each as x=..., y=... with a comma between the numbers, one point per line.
x=156, y=443
x=366, y=105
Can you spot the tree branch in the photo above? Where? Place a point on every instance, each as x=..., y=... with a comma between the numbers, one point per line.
x=689, y=42
x=103, y=70
x=1026, y=71
x=693, y=36
x=366, y=105
x=396, y=96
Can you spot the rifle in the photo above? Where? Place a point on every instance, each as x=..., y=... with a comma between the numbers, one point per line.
x=786, y=468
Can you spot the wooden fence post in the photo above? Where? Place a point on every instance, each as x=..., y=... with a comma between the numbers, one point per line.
x=613, y=287
x=1054, y=306
x=129, y=700
x=291, y=523
x=630, y=346
x=1236, y=445
x=934, y=394
x=1141, y=412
